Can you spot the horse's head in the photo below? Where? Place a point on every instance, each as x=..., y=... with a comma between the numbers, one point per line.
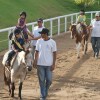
x=27, y=59
x=73, y=30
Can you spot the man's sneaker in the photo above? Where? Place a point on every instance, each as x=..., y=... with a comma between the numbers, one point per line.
x=96, y=55
x=42, y=98
x=7, y=63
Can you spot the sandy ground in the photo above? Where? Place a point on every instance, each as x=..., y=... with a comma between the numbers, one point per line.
x=73, y=79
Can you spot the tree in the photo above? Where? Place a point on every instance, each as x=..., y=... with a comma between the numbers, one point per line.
x=85, y=3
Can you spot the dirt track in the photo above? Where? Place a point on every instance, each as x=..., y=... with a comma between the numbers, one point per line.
x=74, y=79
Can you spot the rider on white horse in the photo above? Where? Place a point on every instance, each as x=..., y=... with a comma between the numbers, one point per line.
x=17, y=45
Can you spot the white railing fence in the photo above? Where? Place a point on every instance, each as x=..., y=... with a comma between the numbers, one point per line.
x=56, y=25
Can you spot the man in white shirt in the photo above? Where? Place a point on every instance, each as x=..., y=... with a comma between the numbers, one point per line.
x=36, y=34
x=95, y=34
x=45, y=58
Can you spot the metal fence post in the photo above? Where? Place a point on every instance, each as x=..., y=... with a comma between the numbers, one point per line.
x=58, y=26
x=9, y=43
x=76, y=18
x=32, y=28
x=51, y=28
x=91, y=15
x=71, y=19
x=65, y=24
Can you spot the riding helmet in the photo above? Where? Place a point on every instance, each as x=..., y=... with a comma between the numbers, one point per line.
x=17, y=31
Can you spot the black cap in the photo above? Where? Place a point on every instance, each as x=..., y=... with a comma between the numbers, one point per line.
x=82, y=11
x=44, y=31
x=17, y=31
x=40, y=20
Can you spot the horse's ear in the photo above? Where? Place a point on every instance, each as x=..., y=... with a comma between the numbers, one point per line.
x=30, y=49
x=26, y=52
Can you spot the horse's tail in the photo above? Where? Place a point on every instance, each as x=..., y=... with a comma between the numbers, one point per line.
x=5, y=78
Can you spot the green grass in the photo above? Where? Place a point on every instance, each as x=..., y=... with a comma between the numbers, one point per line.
x=4, y=44
x=10, y=9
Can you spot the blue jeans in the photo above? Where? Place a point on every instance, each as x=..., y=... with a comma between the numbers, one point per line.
x=95, y=45
x=45, y=79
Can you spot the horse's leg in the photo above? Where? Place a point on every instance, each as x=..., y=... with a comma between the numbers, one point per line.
x=12, y=89
x=86, y=43
x=82, y=47
x=78, y=49
x=9, y=89
x=7, y=79
x=83, y=43
x=12, y=85
x=71, y=36
x=20, y=89
x=85, y=47
x=8, y=84
x=22, y=78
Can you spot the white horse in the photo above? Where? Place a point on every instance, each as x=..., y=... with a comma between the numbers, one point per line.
x=19, y=67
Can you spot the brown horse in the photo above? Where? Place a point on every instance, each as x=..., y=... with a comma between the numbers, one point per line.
x=81, y=35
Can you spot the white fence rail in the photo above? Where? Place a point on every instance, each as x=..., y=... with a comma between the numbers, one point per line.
x=56, y=25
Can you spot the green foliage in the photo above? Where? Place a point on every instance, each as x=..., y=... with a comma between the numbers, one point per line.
x=85, y=3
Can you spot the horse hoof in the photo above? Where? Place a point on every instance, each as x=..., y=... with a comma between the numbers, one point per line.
x=9, y=94
x=12, y=95
x=19, y=98
x=78, y=57
x=29, y=69
x=85, y=53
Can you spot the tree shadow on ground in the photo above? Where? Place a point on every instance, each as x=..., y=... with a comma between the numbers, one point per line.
x=92, y=84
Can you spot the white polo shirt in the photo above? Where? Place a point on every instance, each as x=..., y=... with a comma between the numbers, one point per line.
x=45, y=49
x=36, y=34
x=95, y=28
